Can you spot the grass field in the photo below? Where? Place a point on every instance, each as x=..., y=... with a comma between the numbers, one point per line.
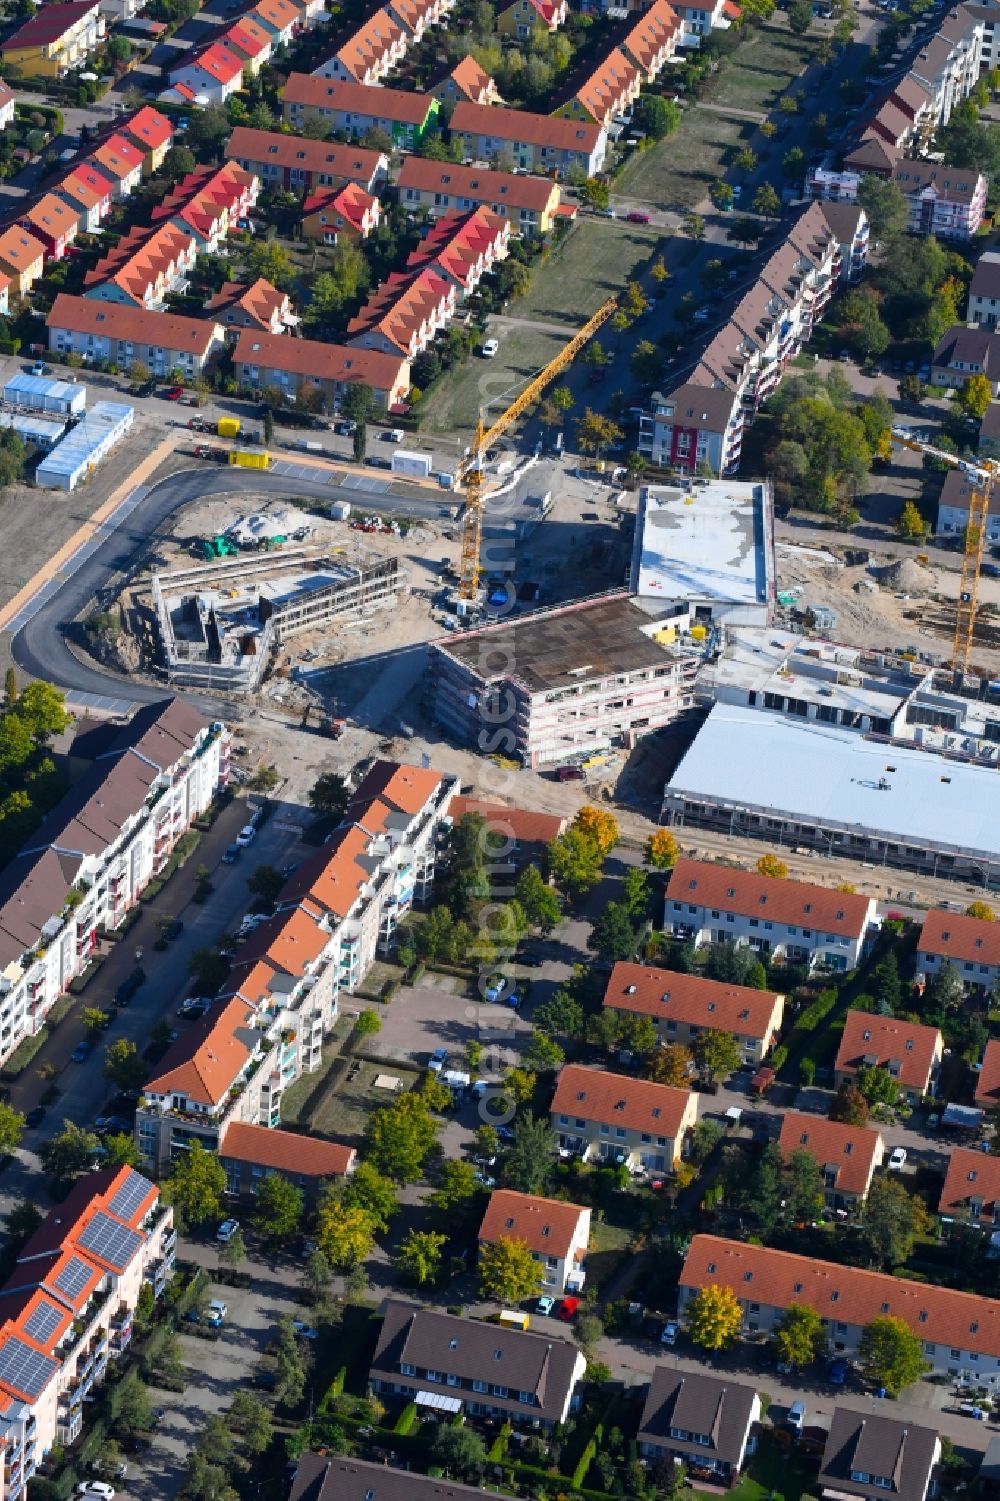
x=678, y=172
x=489, y=384
x=342, y=1112
x=594, y=261
x=759, y=73
x=773, y=1471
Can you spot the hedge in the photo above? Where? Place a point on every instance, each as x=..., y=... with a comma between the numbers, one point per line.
x=586, y=1458
x=22, y=1055
x=407, y=1420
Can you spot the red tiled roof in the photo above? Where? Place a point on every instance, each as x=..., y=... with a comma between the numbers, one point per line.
x=910, y=1045
x=611, y=1099
x=988, y=1082
x=286, y=1151
x=548, y=1226
x=653, y=31
x=259, y=301
x=470, y=79
x=217, y=60
x=849, y=1295
x=400, y=105
x=691, y=999
x=318, y=361
x=149, y=129
x=952, y=935
x=204, y=1062
x=522, y=824
x=608, y=86
x=351, y=201
x=404, y=787
x=51, y=216
x=852, y=1150
x=51, y=22
x=85, y=186
x=970, y=1175
x=118, y=157
x=521, y=125
x=371, y=42
x=750, y=895
x=336, y=159
x=248, y=35
x=492, y=188
x=402, y=306
x=172, y=331
x=20, y=249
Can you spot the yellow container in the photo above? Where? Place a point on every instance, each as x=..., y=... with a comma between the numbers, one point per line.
x=228, y=427
x=247, y=460
x=698, y=633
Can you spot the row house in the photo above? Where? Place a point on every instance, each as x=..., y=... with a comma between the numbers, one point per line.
x=987, y=1095
x=700, y=18
x=374, y=51
x=607, y=94
x=607, y=1118
x=984, y=291
x=519, y=836
x=58, y=38
x=52, y=221
x=67, y=1310
x=971, y=1192
x=143, y=267
x=320, y=1477
x=405, y=314
x=418, y=16
x=8, y=105
x=524, y=17
x=847, y=1156
x=449, y=1364
x=959, y=1331
x=529, y=204
x=540, y=143
x=22, y=259
x=249, y=39
x=869, y=1456
x=682, y=1007
x=356, y=109
x=87, y=192
x=908, y=1051
x=556, y=1233
x=790, y=920
x=971, y=945
x=331, y=214
x=259, y=306
x=249, y=1154
x=301, y=165
x=953, y=509
x=211, y=76
x=120, y=334
x=261, y=359
x=210, y=203
x=336, y=913
x=285, y=19
x=962, y=352
x=463, y=250
x=121, y=163
x=466, y=80
x=152, y=134
x=695, y=1419
x=84, y=867
x=653, y=41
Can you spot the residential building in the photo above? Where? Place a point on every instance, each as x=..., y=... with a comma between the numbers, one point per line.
x=22, y=259
x=112, y=334
x=525, y=834
x=258, y=306
x=949, y=64
x=249, y=1154
x=267, y=360
x=908, y=1051
x=53, y=222
x=463, y=249
x=971, y=945
x=953, y=508
x=653, y=41
x=849, y=223
x=418, y=16
x=540, y=143
x=8, y=105
x=782, y=919
x=142, y=786
x=210, y=203
x=88, y=192
x=608, y=1118
x=348, y=212
x=682, y=1007
x=284, y=19
x=960, y=1331
x=522, y=17
x=695, y=424
x=984, y=291
x=4, y=293
x=150, y=132
x=67, y=1309
x=701, y=17
x=962, y=352
x=249, y=39
x=563, y=683
x=607, y=94
x=529, y=204
x=457, y=1365
x=466, y=80
x=988, y=17
x=699, y=1420
x=303, y=165
x=987, y=1096
x=989, y=431
x=971, y=1192
x=556, y=1233
x=59, y=37
x=143, y=267
x=121, y=10
x=209, y=76
x=405, y=314
x=322, y=1478
x=356, y=108
x=847, y=1156
x=871, y=1455
x=371, y=54
x=948, y=202
x=121, y=163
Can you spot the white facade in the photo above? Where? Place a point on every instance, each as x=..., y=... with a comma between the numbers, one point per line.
x=793, y=941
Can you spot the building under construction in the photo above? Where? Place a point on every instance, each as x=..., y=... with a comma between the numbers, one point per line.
x=221, y=623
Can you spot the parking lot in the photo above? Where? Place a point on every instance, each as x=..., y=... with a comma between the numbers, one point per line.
x=438, y=1014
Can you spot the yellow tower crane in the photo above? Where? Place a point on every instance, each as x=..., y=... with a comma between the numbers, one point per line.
x=471, y=474
x=981, y=476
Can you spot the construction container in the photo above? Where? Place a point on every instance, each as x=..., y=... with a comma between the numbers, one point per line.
x=228, y=427
x=247, y=460
x=340, y=510
x=418, y=465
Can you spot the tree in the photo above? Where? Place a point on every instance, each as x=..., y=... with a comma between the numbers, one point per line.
x=345, y=1236
x=910, y=524
x=207, y=969
x=329, y=795
x=177, y=163
x=537, y=900
x=457, y=1448
x=458, y=1189
x=368, y=1023
x=11, y=1128
x=21, y=1223
x=135, y=1411
x=849, y=1106
x=793, y=164
x=10, y=688
x=196, y=1186
x=886, y=988
x=419, y=1256
x=722, y=196
x=541, y=1054
x=528, y=1163
x=372, y=1191
x=316, y=1276
x=672, y=1065
x=596, y=193
x=803, y=1188
x=713, y=1317
x=70, y=1152
x=270, y=260
x=508, y=1272
x=595, y=433
x=561, y=1015
x=745, y=159
x=636, y=892
x=400, y=1136
x=878, y=1086
x=912, y=389
x=265, y=882
x=656, y=116
x=704, y=1139
x=975, y=395
x=893, y=1219
x=800, y=1337
x=252, y=1421
x=575, y=862
x=234, y=1252
x=138, y=374
x=694, y=224
x=662, y=850
x=800, y=16
x=885, y=206
x=123, y=1065
x=863, y=325
x=598, y=826
x=770, y=865
x=289, y=1365
x=43, y=709
x=646, y=361
x=613, y=937
x=981, y=910
x=121, y=1150
x=278, y=1206
x=891, y=1354
x=717, y=1055
x=766, y=201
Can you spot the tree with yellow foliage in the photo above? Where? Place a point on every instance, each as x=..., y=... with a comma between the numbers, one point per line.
x=662, y=850
x=598, y=826
x=982, y=911
x=672, y=1065
x=770, y=865
x=713, y=1317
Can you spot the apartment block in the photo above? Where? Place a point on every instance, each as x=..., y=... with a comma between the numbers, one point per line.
x=249, y=1154
x=908, y=1051
x=529, y=204
x=846, y=1155
x=303, y=165
x=556, y=1233
x=270, y=360
x=112, y=334
x=791, y=920
x=682, y=1007
x=947, y=202
x=58, y=38
x=608, y=1118
x=514, y=138
x=356, y=108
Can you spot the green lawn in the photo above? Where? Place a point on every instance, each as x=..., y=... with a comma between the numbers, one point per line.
x=594, y=261
x=343, y=1110
x=488, y=385
x=773, y=1471
x=759, y=73
x=678, y=172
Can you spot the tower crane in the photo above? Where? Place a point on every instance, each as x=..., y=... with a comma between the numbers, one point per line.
x=982, y=476
x=471, y=473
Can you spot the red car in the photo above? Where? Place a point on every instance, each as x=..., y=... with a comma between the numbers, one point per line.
x=637, y=218
x=567, y=1309
x=175, y=393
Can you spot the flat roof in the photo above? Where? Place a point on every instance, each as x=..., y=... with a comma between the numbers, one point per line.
x=820, y=774
x=704, y=541
x=814, y=672
x=555, y=648
x=44, y=386
x=105, y=421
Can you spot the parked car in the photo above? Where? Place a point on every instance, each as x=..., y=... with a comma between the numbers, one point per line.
x=111, y=1124
x=392, y=435
x=796, y=1416
x=490, y=349
x=636, y=218
x=246, y=836
x=35, y=1116
x=345, y=429
x=39, y=368
x=702, y=315
x=98, y=1488
x=217, y=1312
x=545, y=1304
x=571, y=774
x=226, y=1231
x=568, y=1309
x=232, y=854
x=304, y=1331
x=174, y=930
x=81, y=1052
x=897, y=1159
x=193, y=1008
x=175, y=393
x=129, y=986
x=438, y=1060
x=670, y=1333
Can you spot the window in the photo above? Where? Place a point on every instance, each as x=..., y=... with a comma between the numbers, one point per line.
x=407, y=1370
x=480, y=1386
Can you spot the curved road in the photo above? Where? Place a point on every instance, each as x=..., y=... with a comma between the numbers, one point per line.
x=40, y=647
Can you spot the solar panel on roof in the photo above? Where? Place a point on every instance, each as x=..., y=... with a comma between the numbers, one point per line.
x=73, y=1278
x=131, y=1194
x=112, y=1242
x=43, y=1322
x=25, y=1369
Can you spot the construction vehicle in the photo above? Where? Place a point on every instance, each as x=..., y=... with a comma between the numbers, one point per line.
x=246, y=459
x=218, y=547
x=981, y=476
x=316, y=718
x=472, y=470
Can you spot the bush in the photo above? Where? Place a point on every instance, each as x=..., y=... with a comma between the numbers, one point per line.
x=22, y=1055
x=406, y=1422
x=586, y=1458
x=779, y=1058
